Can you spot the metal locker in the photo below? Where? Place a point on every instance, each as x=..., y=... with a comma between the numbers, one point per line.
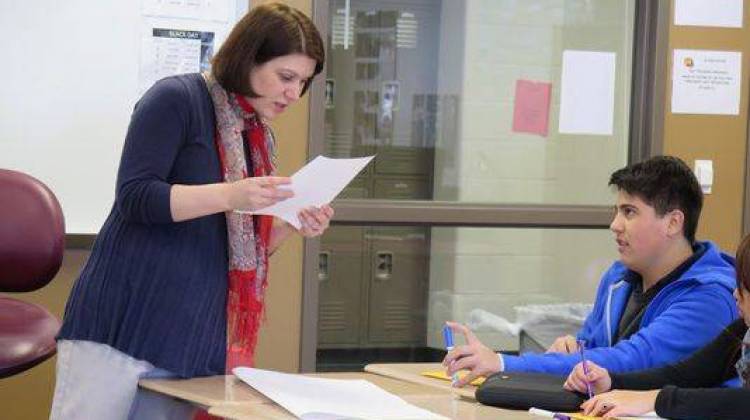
x=404, y=160
x=341, y=270
x=340, y=273
x=398, y=286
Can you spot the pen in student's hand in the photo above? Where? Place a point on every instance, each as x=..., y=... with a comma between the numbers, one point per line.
x=549, y=414
x=448, y=339
x=581, y=346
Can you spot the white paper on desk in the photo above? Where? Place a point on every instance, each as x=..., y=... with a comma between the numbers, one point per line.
x=652, y=415
x=722, y=13
x=587, y=92
x=327, y=399
x=315, y=184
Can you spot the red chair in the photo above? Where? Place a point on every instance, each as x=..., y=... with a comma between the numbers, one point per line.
x=32, y=239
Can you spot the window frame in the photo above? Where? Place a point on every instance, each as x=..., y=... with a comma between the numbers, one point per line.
x=648, y=90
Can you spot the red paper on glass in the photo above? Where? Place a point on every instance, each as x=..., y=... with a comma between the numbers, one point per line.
x=531, y=108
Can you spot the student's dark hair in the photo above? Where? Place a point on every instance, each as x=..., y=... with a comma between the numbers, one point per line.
x=665, y=183
x=268, y=31
x=742, y=265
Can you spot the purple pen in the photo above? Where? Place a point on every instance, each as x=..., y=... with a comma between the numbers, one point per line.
x=549, y=414
x=581, y=346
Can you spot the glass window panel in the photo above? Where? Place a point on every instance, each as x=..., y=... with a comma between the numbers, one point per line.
x=430, y=86
x=386, y=291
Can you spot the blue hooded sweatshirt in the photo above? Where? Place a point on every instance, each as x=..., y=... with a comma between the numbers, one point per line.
x=684, y=316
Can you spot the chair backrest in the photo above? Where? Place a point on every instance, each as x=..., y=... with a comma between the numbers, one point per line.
x=32, y=233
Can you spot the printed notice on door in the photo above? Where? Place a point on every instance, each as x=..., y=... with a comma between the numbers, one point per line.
x=706, y=82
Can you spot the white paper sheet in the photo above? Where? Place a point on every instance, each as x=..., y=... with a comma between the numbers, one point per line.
x=317, y=183
x=724, y=13
x=706, y=82
x=216, y=10
x=587, y=92
x=651, y=415
x=321, y=398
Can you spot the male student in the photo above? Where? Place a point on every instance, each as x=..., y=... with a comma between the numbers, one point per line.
x=666, y=297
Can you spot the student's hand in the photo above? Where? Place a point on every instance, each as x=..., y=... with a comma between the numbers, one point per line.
x=565, y=344
x=254, y=193
x=474, y=356
x=598, y=377
x=315, y=220
x=620, y=403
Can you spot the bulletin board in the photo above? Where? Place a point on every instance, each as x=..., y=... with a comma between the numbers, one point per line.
x=72, y=72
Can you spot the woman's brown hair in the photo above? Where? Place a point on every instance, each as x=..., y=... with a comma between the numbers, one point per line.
x=742, y=265
x=742, y=268
x=266, y=32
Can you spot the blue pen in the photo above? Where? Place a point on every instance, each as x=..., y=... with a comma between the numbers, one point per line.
x=448, y=339
x=581, y=346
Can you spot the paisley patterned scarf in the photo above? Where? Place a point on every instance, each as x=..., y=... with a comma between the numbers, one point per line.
x=743, y=365
x=238, y=128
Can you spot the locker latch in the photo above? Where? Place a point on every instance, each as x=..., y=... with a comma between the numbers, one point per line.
x=323, y=265
x=384, y=265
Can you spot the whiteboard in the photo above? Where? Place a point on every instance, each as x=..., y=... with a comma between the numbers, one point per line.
x=68, y=84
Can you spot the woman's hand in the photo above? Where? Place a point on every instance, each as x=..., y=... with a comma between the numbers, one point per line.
x=598, y=378
x=255, y=193
x=315, y=220
x=188, y=202
x=620, y=403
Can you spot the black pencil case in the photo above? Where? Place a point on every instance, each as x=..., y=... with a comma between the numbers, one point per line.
x=522, y=390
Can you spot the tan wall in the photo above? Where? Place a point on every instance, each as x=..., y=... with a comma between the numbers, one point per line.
x=721, y=138
x=279, y=343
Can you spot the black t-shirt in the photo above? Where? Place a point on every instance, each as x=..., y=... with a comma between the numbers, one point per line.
x=630, y=322
x=688, y=387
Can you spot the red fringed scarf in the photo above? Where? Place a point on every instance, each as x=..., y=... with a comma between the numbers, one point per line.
x=249, y=236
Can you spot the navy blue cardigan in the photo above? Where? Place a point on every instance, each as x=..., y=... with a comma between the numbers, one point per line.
x=153, y=288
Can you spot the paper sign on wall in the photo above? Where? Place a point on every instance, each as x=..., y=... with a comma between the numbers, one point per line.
x=216, y=10
x=165, y=52
x=531, y=108
x=587, y=92
x=724, y=13
x=706, y=82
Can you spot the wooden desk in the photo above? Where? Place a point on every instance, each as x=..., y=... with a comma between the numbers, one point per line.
x=450, y=406
x=227, y=396
x=411, y=372
x=207, y=391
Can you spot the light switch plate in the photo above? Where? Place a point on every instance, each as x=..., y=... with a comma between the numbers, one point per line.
x=704, y=171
